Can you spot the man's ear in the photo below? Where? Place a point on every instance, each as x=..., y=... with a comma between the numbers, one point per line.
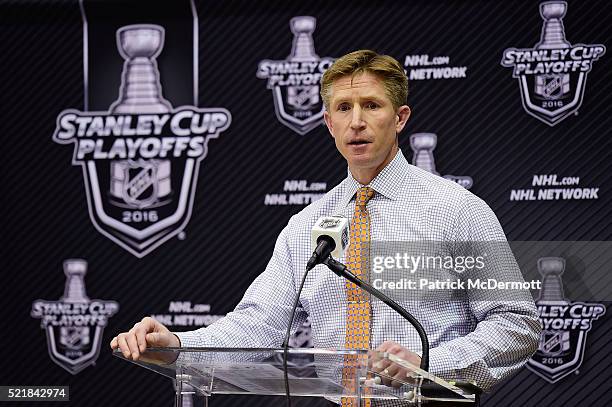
x=402, y=116
x=328, y=122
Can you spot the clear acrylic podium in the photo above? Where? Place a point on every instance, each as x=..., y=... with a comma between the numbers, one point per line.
x=327, y=373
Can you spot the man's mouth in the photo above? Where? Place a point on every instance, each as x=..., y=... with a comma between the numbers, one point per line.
x=359, y=142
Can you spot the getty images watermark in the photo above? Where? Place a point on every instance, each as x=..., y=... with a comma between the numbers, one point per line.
x=569, y=281
x=447, y=271
x=441, y=264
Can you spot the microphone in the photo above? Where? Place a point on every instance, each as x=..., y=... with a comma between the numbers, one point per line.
x=329, y=236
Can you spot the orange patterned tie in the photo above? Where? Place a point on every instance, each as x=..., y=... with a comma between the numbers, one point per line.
x=358, y=309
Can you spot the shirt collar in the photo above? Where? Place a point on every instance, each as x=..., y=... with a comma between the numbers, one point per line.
x=386, y=183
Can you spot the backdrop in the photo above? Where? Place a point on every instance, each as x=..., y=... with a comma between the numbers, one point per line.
x=154, y=151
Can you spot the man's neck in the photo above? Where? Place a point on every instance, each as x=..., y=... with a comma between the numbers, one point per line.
x=365, y=175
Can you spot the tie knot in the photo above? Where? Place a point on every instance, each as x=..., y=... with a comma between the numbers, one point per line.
x=364, y=194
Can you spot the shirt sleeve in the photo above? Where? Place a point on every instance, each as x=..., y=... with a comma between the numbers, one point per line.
x=508, y=328
x=260, y=319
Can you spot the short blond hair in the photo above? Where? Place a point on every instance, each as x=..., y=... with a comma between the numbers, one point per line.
x=385, y=67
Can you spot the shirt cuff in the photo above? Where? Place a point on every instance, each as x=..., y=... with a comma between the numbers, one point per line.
x=442, y=363
x=189, y=339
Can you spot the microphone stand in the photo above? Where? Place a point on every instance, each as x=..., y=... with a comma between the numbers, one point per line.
x=325, y=246
x=288, y=334
x=342, y=271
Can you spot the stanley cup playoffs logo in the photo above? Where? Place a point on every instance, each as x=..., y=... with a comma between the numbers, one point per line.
x=552, y=75
x=140, y=159
x=294, y=82
x=565, y=325
x=422, y=145
x=74, y=325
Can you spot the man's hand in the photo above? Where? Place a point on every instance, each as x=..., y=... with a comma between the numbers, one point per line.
x=147, y=333
x=388, y=370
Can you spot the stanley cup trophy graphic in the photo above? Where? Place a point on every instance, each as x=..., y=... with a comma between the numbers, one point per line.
x=302, y=48
x=74, y=289
x=140, y=183
x=552, y=86
x=557, y=342
x=302, y=98
x=140, y=89
x=74, y=337
x=423, y=145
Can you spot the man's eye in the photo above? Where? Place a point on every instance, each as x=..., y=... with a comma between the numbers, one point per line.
x=343, y=107
x=371, y=105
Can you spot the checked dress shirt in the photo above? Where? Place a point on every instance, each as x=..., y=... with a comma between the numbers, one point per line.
x=474, y=337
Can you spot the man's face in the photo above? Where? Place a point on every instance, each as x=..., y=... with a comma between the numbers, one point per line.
x=364, y=124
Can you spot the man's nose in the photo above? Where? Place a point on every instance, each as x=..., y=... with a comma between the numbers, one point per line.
x=357, y=118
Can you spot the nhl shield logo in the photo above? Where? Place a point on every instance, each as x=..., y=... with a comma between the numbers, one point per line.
x=74, y=325
x=555, y=343
x=295, y=81
x=141, y=158
x=74, y=338
x=552, y=75
x=141, y=186
x=565, y=325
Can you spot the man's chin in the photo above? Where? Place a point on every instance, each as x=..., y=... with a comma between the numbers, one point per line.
x=360, y=161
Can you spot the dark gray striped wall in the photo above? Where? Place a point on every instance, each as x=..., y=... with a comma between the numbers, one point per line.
x=483, y=132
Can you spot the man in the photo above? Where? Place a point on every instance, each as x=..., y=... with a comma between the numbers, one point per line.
x=386, y=199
